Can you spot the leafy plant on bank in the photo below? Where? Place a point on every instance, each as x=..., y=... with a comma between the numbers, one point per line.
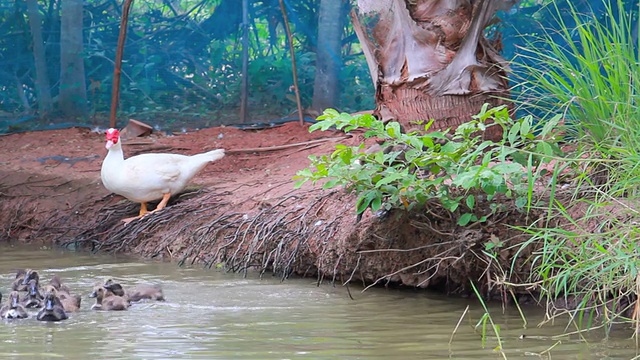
x=588, y=70
x=456, y=168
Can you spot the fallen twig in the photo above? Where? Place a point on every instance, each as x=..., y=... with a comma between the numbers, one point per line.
x=287, y=146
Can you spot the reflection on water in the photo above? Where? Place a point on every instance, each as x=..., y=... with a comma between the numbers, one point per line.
x=212, y=315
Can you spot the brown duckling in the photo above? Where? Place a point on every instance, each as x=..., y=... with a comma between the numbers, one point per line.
x=17, y=283
x=33, y=298
x=52, y=310
x=70, y=303
x=106, y=300
x=13, y=309
x=58, y=285
x=139, y=292
x=112, y=288
x=30, y=275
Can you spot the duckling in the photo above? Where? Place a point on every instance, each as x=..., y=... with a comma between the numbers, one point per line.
x=17, y=283
x=13, y=309
x=140, y=292
x=30, y=275
x=106, y=300
x=111, y=289
x=33, y=298
x=52, y=310
x=58, y=285
x=70, y=303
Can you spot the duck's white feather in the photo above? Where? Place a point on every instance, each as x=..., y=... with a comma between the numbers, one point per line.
x=148, y=177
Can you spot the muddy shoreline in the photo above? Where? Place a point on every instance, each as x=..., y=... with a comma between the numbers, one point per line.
x=242, y=213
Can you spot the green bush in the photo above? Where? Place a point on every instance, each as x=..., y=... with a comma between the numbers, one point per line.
x=455, y=168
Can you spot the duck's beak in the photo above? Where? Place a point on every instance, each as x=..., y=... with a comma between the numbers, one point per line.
x=49, y=304
x=109, y=144
x=33, y=291
x=14, y=302
x=93, y=294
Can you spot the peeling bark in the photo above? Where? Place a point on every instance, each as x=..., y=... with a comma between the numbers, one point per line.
x=431, y=59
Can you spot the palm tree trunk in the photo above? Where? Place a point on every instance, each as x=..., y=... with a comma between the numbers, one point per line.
x=430, y=60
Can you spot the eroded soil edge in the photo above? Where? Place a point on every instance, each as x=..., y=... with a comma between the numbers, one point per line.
x=242, y=212
x=308, y=232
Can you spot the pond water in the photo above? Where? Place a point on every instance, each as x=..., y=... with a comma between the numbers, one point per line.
x=214, y=315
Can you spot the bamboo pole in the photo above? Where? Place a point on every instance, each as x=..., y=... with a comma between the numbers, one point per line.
x=117, y=69
x=294, y=69
x=244, y=85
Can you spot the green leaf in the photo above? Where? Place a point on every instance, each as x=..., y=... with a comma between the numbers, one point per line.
x=331, y=184
x=465, y=219
x=525, y=128
x=521, y=202
x=471, y=201
x=389, y=178
x=393, y=129
x=514, y=133
x=362, y=205
x=298, y=184
x=546, y=149
x=507, y=168
x=376, y=203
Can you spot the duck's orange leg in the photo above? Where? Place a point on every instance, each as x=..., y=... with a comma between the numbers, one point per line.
x=163, y=202
x=143, y=209
x=143, y=212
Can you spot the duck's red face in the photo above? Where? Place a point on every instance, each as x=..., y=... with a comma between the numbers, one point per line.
x=112, y=137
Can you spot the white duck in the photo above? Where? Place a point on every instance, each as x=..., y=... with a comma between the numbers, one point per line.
x=148, y=177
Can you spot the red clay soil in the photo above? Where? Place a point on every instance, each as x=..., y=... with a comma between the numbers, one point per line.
x=241, y=212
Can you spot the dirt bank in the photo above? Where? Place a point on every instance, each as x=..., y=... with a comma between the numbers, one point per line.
x=242, y=212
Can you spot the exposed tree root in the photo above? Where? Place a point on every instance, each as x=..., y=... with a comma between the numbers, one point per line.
x=303, y=232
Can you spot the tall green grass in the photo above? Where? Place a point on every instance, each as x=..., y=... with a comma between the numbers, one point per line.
x=590, y=72
x=588, y=69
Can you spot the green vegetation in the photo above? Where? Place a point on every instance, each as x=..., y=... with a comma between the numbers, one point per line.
x=456, y=168
x=588, y=73
x=182, y=60
x=583, y=80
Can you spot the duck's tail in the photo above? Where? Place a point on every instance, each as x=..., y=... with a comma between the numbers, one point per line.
x=214, y=155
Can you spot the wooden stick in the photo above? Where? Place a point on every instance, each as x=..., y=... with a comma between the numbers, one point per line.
x=287, y=146
x=294, y=69
x=117, y=69
x=244, y=85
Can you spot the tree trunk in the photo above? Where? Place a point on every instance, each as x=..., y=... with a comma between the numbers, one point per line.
x=328, y=55
x=429, y=59
x=73, y=91
x=42, y=77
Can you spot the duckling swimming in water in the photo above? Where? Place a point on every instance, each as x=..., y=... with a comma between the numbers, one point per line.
x=52, y=310
x=29, y=275
x=58, y=285
x=106, y=300
x=33, y=298
x=13, y=309
x=17, y=283
x=139, y=292
x=70, y=303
